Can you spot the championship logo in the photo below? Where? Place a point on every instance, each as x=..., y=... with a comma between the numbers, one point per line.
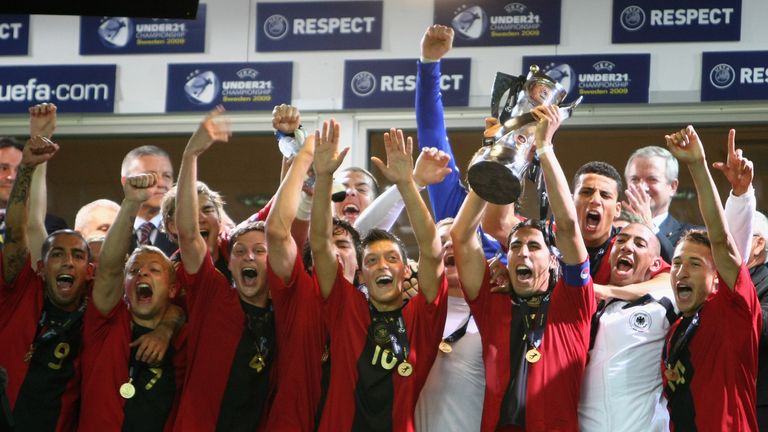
x=363, y=83
x=470, y=22
x=640, y=321
x=632, y=18
x=722, y=76
x=115, y=32
x=562, y=73
x=202, y=88
x=276, y=27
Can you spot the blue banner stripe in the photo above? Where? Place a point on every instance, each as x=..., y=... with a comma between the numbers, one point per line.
x=318, y=26
x=392, y=83
x=237, y=86
x=74, y=89
x=599, y=78
x=734, y=75
x=14, y=35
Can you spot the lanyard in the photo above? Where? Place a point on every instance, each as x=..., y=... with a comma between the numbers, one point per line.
x=397, y=337
x=459, y=332
x=47, y=331
x=670, y=356
x=533, y=327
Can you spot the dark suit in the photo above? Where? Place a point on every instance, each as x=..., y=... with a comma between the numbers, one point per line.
x=162, y=242
x=669, y=234
x=759, y=276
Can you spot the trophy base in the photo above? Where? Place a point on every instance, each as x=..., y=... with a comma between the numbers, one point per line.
x=494, y=182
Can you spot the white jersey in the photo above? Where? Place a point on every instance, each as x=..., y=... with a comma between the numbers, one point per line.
x=622, y=388
x=452, y=397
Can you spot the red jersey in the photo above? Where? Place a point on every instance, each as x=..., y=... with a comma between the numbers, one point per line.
x=554, y=382
x=301, y=340
x=106, y=359
x=21, y=306
x=347, y=313
x=215, y=327
x=721, y=367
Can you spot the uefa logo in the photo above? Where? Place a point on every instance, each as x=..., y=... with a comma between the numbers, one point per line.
x=632, y=18
x=562, y=73
x=202, y=88
x=363, y=83
x=276, y=27
x=116, y=32
x=640, y=321
x=470, y=23
x=722, y=76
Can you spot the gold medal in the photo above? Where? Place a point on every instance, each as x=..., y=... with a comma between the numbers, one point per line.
x=127, y=390
x=405, y=369
x=445, y=347
x=533, y=355
x=672, y=374
x=258, y=363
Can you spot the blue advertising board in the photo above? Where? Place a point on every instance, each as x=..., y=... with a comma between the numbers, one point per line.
x=642, y=21
x=600, y=78
x=14, y=35
x=236, y=86
x=123, y=35
x=392, y=83
x=493, y=22
x=74, y=89
x=734, y=75
x=318, y=26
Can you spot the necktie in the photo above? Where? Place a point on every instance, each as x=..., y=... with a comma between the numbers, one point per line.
x=145, y=230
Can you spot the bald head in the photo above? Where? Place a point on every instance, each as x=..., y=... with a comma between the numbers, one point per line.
x=635, y=255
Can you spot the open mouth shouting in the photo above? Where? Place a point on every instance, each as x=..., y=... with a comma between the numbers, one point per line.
x=384, y=280
x=351, y=210
x=684, y=291
x=624, y=265
x=204, y=233
x=64, y=282
x=449, y=261
x=523, y=273
x=592, y=221
x=249, y=275
x=144, y=293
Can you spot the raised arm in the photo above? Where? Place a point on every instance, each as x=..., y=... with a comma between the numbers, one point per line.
x=108, y=286
x=192, y=245
x=741, y=203
x=37, y=150
x=467, y=249
x=280, y=243
x=687, y=147
x=327, y=159
x=42, y=122
x=399, y=170
x=567, y=236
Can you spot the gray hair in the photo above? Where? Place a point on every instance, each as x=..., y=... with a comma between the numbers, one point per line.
x=82, y=214
x=670, y=162
x=760, y=227
x=145, y=150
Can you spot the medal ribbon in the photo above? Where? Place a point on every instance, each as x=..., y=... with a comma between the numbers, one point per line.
x=46, y=332
x=398, y=338
x=670, y=355
x=533, y=328
x=459, y=332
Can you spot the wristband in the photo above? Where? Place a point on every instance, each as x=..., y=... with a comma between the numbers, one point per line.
x=305, y=207
x=544, y=149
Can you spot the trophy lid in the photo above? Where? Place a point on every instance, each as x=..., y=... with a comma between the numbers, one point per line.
x=541, y=89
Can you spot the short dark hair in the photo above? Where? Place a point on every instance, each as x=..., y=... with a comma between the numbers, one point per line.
x=600, y=168
x=49, y=241
x=698, y=236
x=11, y=142
x=244, y=229
x=338, y=225
x=534, y=224
x=376, y=235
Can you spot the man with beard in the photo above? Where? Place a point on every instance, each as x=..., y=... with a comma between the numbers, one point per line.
x=41, y=311
x=709, y=361
x=534, y=343
x=123, y=389
x=374, y=337
x=231, y=333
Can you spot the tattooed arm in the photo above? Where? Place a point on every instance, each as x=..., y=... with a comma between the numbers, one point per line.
x=37, y=150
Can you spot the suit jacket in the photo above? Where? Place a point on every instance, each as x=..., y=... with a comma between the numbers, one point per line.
x=759, y=276
x=162, y=242
x=669, y=234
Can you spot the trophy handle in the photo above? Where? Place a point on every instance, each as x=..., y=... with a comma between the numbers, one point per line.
x=515, y=123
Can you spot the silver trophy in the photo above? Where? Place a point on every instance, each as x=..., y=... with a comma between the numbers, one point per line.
x=497, y=170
